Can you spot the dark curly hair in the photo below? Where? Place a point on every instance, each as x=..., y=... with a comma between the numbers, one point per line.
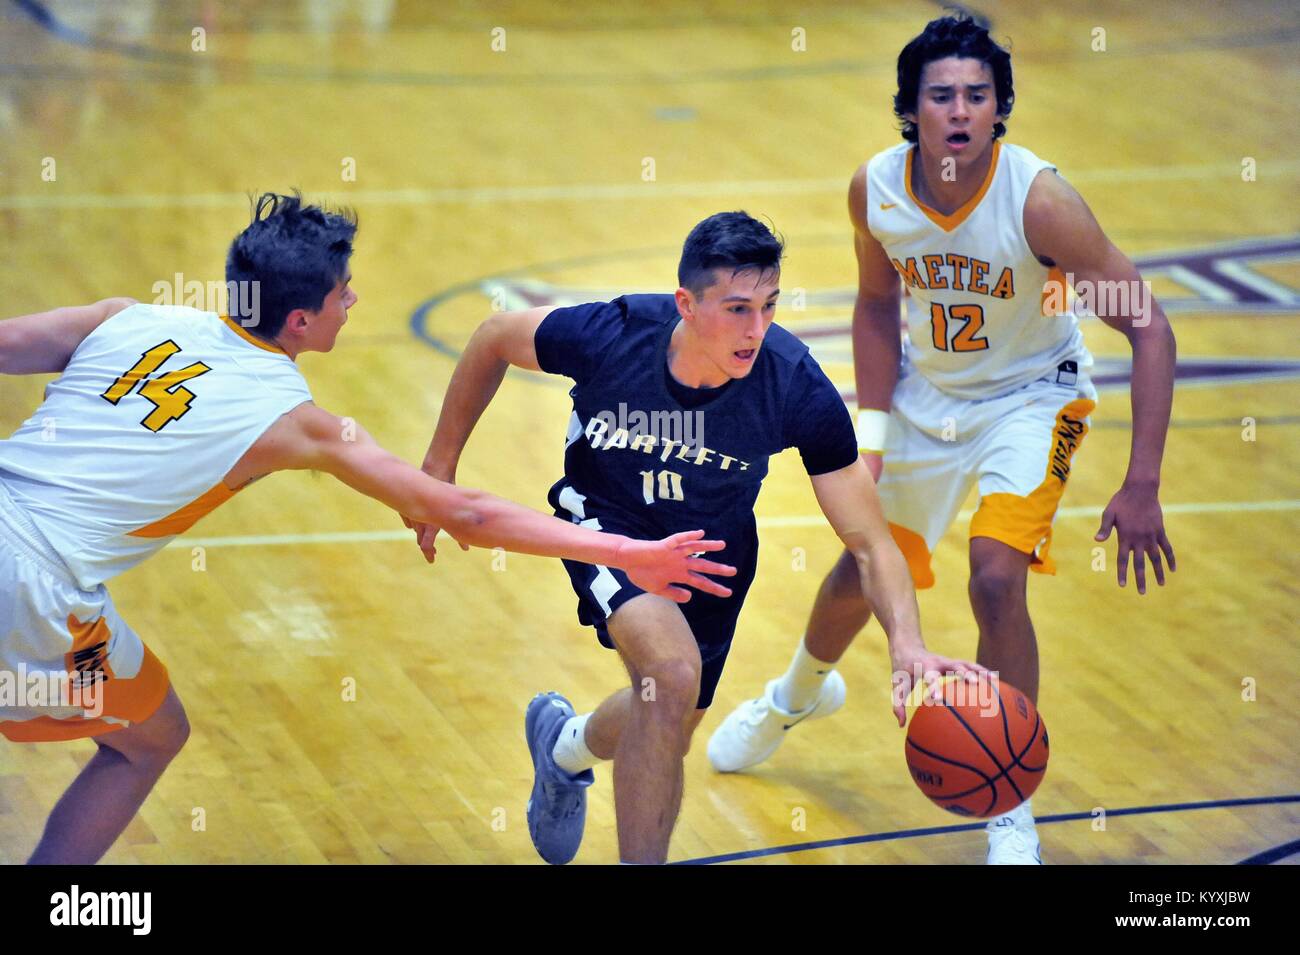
x=295, y=253
x=961, y=36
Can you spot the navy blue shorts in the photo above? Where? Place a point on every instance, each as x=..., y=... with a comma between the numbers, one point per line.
x=602, y=590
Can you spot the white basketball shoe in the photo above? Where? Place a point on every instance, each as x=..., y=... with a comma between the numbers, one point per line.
x=1013, y=840
x=753, y=731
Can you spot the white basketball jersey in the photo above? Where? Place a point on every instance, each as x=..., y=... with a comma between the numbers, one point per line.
x=131, y=443
x=982, y=320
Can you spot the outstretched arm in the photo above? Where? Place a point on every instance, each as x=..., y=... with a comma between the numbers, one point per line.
x=43, y=343
x=1061, y=228
x=310, y=437
x=848, y=499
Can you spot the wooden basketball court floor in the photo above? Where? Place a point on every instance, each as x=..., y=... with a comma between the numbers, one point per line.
x=501, y=176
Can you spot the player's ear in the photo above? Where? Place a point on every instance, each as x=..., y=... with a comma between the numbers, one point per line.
x=296, y=322
x=685, y=303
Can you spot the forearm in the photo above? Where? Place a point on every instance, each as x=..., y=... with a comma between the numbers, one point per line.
x=877, y=348
x=1152, y=387
x=848, y=499
x=484, y=520
x=887, y=585
x=473, y=385
x=470, y=516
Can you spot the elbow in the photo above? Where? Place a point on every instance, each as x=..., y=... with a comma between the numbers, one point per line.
x=1157, y=334
x=10, y=349
x=469, y=517
x=487, y=337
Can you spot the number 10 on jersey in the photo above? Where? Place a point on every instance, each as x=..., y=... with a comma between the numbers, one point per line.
x=670, y=486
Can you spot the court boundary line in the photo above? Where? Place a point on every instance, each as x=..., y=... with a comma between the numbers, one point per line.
x=1275, y=854
x=773, y=523
x=972, y=826
x=594, y=191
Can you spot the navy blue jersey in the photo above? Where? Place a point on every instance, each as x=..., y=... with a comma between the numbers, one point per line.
x=635, y=451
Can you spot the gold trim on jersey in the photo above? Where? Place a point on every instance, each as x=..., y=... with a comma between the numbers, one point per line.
x=252, y=339
x=949, y=222
x=189, y=515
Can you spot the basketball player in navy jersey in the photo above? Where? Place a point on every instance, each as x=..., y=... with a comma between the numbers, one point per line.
x=679, y=402
x=991, y=388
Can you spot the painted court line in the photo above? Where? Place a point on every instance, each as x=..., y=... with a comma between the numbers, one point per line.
x=798, y=520
x=477, y=195
x=970, y=826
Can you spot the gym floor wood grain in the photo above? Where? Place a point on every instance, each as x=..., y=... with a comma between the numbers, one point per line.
x=483, y=173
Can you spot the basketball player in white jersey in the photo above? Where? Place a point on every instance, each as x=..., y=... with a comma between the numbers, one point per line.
x=991, y=387
x=159, y=414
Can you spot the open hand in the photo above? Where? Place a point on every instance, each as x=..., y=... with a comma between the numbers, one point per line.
x=656, y=566
x=1135, y=512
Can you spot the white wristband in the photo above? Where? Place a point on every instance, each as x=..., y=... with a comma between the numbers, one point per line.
x=872, y=427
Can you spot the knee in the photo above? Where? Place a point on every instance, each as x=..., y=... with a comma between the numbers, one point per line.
x=996, y=590
x=178, y=732
x=160, y=737
x=673, y=687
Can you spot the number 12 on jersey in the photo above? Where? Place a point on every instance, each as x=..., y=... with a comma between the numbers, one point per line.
x=972, y=319
x=670, y=486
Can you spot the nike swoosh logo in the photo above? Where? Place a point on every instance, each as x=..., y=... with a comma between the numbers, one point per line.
x=888, y=205
x=811, y=711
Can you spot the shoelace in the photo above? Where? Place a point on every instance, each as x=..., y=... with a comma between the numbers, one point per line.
x=1018, y=837
x=755, y=713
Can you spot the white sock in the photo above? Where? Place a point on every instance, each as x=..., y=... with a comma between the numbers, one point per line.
x=798, y=689
x=570, y=752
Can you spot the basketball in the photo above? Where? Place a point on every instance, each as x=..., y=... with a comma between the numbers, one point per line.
x=980, y=752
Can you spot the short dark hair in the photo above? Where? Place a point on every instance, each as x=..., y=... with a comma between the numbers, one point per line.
x=296, y=253
x=727, y=240
x=961, y=36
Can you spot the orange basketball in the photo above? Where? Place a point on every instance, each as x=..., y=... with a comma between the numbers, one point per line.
x=981, y=752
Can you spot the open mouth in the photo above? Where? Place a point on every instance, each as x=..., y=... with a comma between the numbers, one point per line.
x=745, y=354
x=958, y=139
